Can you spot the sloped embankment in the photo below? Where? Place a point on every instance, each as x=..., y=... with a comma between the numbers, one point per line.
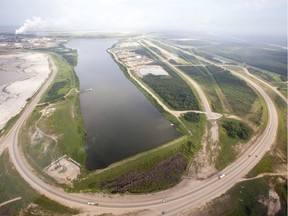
x=168, y=172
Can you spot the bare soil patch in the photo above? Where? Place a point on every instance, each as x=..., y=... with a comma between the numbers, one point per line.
x=165, y=171
x=63, y=170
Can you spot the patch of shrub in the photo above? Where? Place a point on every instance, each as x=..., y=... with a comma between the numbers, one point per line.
x=236, y=129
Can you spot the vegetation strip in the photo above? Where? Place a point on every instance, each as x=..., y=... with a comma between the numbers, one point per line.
x=48, y=133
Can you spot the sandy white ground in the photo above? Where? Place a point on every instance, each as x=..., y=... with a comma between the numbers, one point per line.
x=152, y=69
x=13, y=96
x=63, y=170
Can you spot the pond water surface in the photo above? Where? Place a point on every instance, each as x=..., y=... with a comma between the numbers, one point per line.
x=119, y=120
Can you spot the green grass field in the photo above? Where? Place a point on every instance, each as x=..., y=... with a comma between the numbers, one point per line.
x=197, y=128
x=65, y=80
x=42, y=150
x=245, y=198
x=12, y=186
x=229, y=137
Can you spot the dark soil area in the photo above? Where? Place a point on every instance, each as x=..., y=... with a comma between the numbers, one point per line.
x=163, y=175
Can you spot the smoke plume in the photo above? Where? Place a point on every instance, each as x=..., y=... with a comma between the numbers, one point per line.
x=37, y=24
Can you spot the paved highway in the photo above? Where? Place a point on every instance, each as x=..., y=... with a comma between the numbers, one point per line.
x=273, y=88
x=210, y=115
x=267, y=84
x=187, y=198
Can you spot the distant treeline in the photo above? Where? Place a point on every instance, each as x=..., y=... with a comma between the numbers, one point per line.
x=267, y=59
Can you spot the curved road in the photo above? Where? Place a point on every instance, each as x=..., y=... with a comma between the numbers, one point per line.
x=190, y=197
x=210, y=115
x=273, y=88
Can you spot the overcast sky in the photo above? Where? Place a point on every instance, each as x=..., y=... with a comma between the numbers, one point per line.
x=213, y=16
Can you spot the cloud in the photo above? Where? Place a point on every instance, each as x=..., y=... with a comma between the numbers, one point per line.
x=117, y=15
x=259, y=4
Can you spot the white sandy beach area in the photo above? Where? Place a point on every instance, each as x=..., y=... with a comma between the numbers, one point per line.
x=14, y=95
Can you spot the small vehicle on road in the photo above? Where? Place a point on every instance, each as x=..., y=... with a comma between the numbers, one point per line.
x=92, y=203
x=222, y=175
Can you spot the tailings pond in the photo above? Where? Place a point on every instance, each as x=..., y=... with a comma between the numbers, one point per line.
x=119, y=120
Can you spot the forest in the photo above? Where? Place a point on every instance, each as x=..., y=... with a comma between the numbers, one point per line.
x=173, y=90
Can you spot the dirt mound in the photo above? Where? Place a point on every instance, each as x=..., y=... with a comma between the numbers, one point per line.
x=163, y=175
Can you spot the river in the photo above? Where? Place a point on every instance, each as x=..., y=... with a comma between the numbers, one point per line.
x=119, y=120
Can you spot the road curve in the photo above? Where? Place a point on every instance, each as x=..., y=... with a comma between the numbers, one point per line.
x=273, y=88
x=210, y=115
x=190, y=197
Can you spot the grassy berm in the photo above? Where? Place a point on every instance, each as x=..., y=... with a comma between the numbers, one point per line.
x=169, y=170
x=32, y=203
x=154, y=170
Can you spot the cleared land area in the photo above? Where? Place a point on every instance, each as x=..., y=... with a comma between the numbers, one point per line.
x=14, y=96
x=63, y=170
x=153, y=70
